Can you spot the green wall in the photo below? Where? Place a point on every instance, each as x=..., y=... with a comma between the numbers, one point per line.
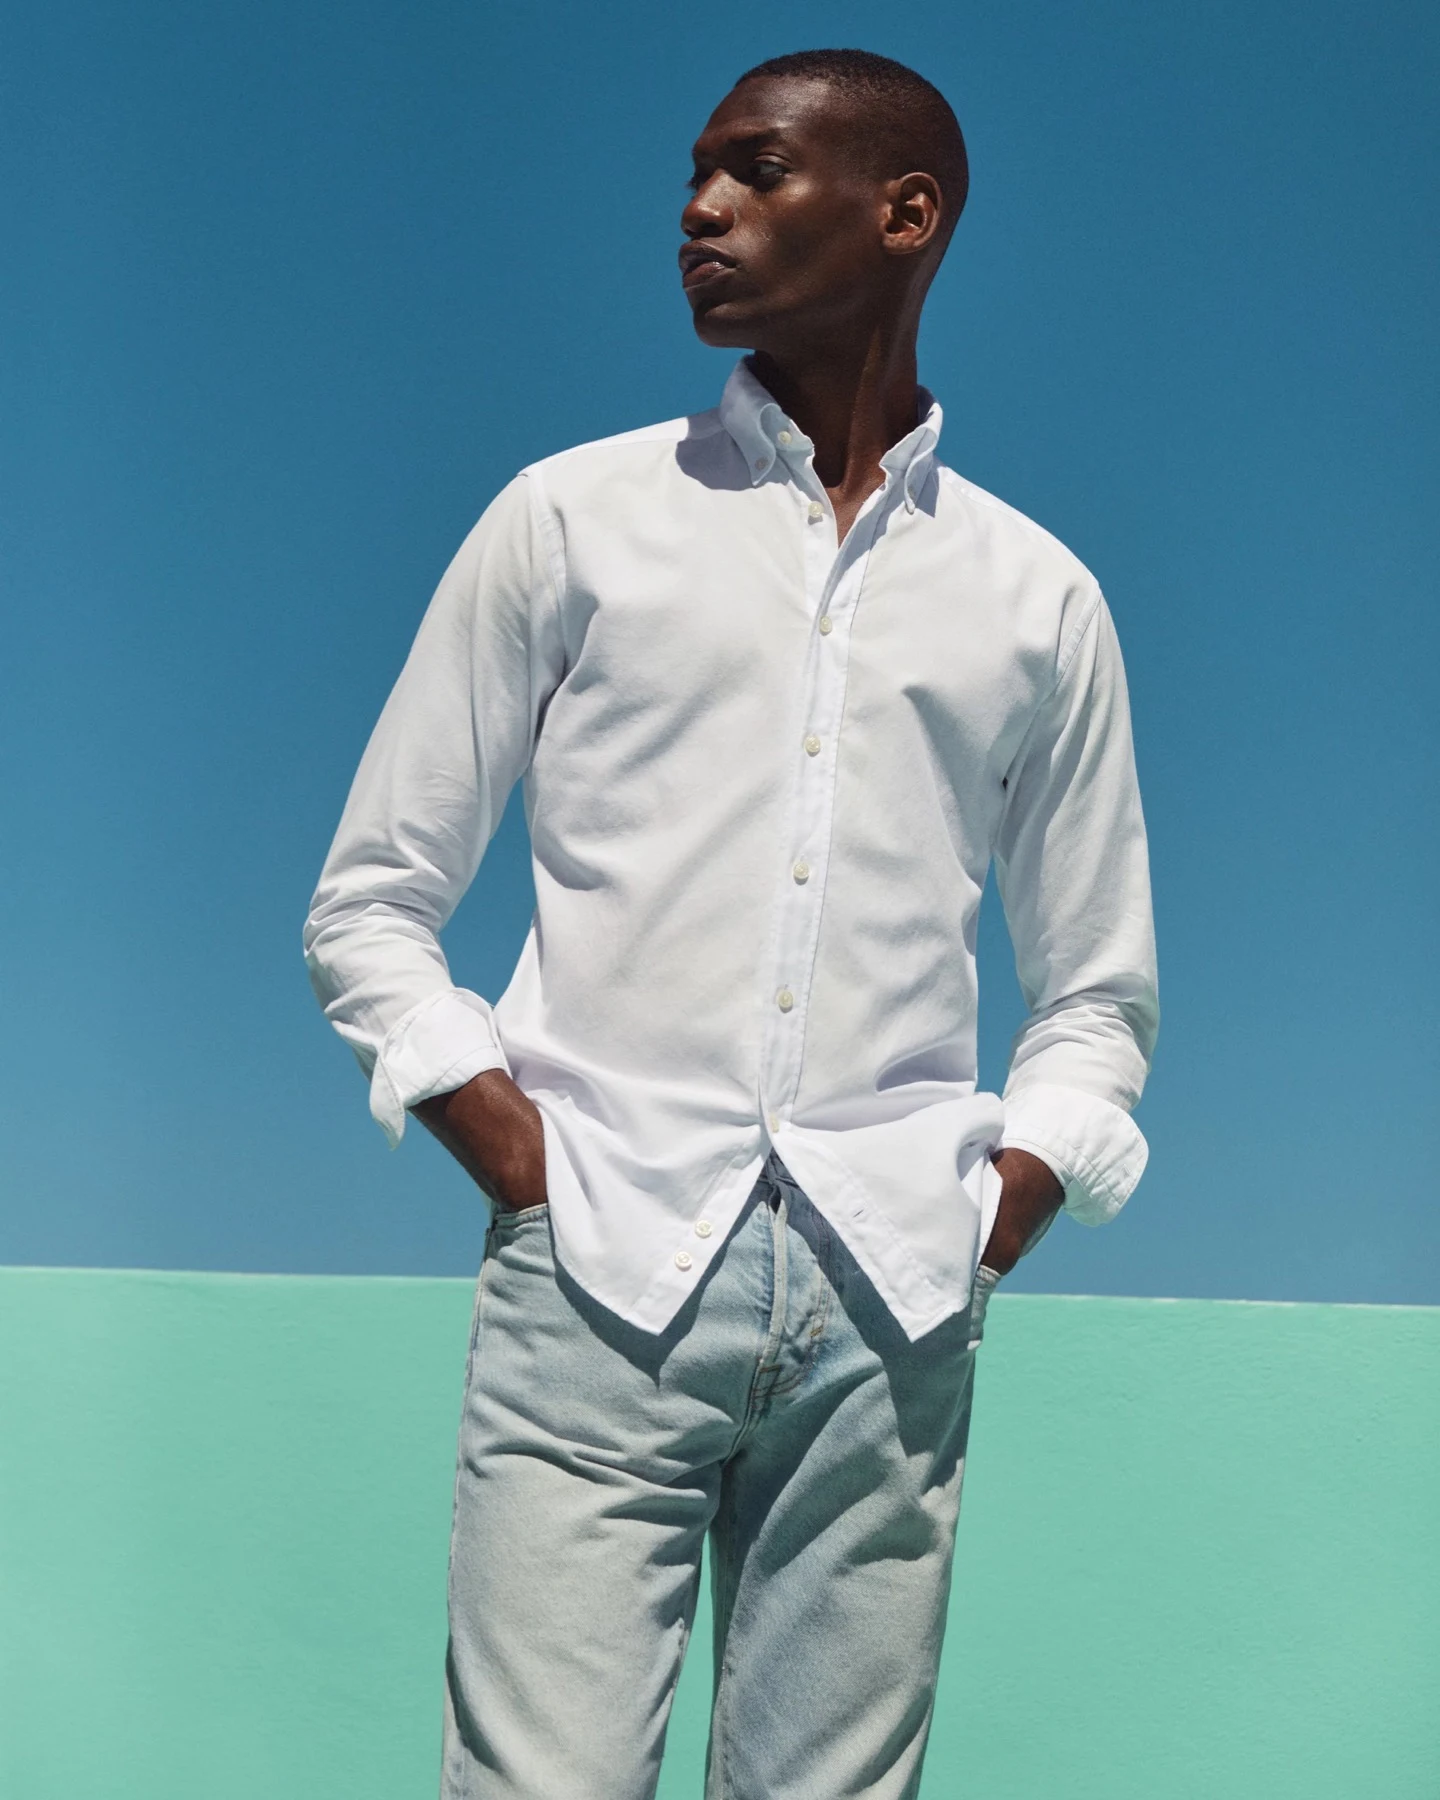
x=1199, y=1550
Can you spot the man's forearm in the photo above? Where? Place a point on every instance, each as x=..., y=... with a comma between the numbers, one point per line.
x=1030, y=1196
x=494, y=1132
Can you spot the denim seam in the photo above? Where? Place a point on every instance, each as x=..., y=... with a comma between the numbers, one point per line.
x=819, y=1317
x=512, y=1217
x=458, y=1747
x=470, y=1356
x=758, y=1402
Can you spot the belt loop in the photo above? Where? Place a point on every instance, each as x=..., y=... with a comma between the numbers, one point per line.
x=781, y=1180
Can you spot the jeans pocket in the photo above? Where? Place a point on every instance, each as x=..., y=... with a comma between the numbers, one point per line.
x=518, y=1243
x=506, y=1218
x=983, y=1286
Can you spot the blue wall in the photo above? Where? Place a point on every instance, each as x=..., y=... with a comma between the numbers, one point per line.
x=291, y=290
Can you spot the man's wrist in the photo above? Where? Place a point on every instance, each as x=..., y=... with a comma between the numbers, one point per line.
x=1030, y=1196
x=495, y=1133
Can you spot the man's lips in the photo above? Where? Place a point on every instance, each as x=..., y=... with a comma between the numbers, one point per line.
x=700, y=263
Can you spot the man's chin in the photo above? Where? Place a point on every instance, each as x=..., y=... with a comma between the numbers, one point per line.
x=725, y=327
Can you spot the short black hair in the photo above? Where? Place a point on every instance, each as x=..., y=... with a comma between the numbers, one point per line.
x=910, y=125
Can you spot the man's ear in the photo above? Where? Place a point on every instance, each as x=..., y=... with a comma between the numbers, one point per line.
x=914, y=205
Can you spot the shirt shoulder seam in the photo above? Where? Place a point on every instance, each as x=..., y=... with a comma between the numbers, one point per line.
x=1078, y=635
x=543, y=514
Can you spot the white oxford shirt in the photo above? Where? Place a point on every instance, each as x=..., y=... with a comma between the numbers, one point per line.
x=764, y=778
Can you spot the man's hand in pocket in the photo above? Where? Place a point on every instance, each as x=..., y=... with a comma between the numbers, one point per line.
x=1029, y=1198
x=494, y=1132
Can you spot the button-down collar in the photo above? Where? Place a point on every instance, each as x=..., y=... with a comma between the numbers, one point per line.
x=765, y=435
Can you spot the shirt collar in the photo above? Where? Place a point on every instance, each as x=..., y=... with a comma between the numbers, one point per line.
x=764, y=435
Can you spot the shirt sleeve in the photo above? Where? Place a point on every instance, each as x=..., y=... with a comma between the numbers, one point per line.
x=1073, y=875
x=456, y=734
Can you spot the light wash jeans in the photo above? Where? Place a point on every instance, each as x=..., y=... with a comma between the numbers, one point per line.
x=785, y=1413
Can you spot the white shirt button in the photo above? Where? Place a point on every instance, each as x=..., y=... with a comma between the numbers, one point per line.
x=703, y=1228
x=812, y=745
x=683, y=1259
x=773, y=1121
x=801, y=872
x=782, y=437
x=827, y=624
x=816, y=512
x=785, y=1000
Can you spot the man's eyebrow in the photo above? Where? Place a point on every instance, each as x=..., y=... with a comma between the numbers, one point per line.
x=745, y=140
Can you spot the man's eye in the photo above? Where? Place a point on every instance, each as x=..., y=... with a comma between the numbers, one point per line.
x=767, y=172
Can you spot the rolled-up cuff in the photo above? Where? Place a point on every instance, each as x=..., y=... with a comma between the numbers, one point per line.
x=1094, y=1147
x=436, y=1047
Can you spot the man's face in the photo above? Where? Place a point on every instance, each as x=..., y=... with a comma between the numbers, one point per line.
x=784, y=230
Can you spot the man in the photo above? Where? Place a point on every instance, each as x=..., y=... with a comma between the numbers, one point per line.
x=780, y=686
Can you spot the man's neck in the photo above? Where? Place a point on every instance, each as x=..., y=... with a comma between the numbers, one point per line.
x=853, y=408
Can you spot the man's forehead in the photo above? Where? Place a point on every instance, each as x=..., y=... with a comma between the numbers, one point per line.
x=772, y=108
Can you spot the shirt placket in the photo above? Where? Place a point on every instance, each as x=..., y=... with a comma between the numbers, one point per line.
x=833, y=581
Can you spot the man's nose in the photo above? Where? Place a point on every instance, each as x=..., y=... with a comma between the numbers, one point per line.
x=708, y=212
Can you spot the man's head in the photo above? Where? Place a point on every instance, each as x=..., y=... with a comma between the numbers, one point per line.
x=826, y=187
